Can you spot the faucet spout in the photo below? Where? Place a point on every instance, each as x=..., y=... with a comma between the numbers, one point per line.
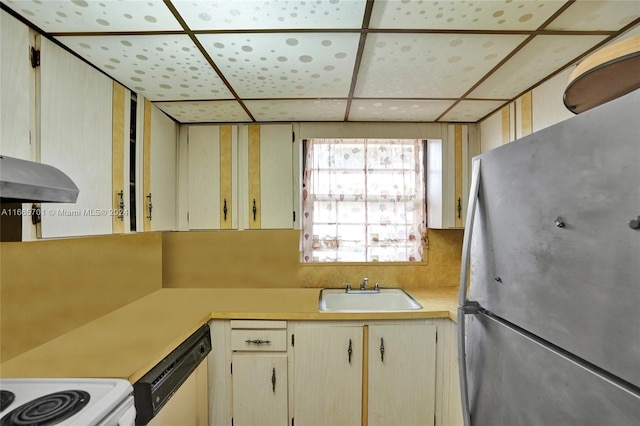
x=363, y=284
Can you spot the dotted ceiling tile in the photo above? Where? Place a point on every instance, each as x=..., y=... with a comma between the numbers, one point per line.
x=205, y=112
x=285, y=65
x=428, y=65
x=96, y=16
x=298, y=110
x=471, y=111
x=261, y=14
x=541, y=57
x=487, y=15
x=597, y=16
x=396, y=110
x=169, y=67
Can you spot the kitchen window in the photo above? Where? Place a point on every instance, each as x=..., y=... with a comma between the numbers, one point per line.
x=363, y=200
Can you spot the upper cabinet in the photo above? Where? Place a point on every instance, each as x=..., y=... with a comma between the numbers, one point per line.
x=212, y=187
x=75, y=104
x=449, y=175
x=160, y=170
x=266, y=176
x=239, y=177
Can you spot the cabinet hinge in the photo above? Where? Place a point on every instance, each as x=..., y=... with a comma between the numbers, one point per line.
x=231, y=367
x=293, y=137
x=294, y=215
x=292, y=421
x=293, y=340
x=436, y=337
x=231, y=421
x=187, y=216
x=35, y=57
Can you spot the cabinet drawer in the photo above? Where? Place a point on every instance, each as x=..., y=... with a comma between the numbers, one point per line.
x=259, y=340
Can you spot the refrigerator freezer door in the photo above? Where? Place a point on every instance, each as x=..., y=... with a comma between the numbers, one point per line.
x=514, y=381
x=553, y=250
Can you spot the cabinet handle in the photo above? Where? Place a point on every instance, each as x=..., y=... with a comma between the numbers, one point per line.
x=254, y=210
x=459, y=208
x=273, y=380
x=224, y=209
x=349, y=351
x=149, y=206
x=381, y=349
x=121, y=205
x=258, y=342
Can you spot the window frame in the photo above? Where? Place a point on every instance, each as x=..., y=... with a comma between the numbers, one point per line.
x=422, y=228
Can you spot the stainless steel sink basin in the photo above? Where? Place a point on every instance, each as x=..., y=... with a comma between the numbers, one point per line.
x=387, y=299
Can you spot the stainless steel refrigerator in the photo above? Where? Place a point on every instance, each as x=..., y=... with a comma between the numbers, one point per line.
x=549, y=327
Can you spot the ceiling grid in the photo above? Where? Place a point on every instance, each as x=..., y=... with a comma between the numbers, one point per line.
x=220, y=61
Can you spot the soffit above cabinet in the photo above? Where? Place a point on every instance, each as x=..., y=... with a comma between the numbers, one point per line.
x=331, y=60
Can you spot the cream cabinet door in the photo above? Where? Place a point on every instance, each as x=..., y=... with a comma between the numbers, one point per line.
x=402, y=373
x=267, y=176
x=75, y=136
x=260, y=386
x=162, y=173
x=212, y=177
x=328, y=375
x=448, y=175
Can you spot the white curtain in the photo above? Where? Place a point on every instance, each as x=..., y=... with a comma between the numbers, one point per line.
x=363, y=200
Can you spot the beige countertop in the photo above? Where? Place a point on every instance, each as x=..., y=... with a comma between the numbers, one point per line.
x=129, y=341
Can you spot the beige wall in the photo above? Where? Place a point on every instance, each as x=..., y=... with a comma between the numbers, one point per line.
x=270, y=258
x=49, y=287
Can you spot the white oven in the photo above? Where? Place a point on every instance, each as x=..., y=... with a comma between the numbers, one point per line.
x=66, y=402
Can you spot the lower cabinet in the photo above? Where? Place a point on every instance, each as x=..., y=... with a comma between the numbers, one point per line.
x=327, y=378
x=306, y=373
x=260, y=390
x=259, y=372
x=402, y=374
x=375, y=374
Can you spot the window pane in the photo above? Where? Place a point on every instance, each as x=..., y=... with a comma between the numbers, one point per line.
x=361, y=200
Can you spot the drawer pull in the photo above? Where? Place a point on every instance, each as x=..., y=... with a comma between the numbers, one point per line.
x=258, y=341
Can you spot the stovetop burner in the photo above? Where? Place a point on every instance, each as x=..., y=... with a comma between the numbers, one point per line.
x=6, y=398
x=47, y=410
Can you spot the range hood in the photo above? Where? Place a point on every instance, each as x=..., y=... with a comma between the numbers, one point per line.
x=30, y=182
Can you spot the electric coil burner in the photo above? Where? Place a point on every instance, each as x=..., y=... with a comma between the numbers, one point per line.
x=66, y=402
x=48, y=409
x=6, y=398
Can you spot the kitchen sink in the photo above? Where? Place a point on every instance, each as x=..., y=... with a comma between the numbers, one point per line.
x=383, y=300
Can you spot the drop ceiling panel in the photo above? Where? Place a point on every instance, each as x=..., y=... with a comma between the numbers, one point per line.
x=479, y=15
x=542, y=56
x=471, y=111
x=285, y=65
x=274, y=14
x=597, y=16
x=298, y=110
x=96, y=16
x=294, y=60
x=166, y=68
x=205, y=112
x=428, y=65
x=397, y=110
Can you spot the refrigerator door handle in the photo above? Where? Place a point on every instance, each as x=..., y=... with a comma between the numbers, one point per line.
x=462, y=297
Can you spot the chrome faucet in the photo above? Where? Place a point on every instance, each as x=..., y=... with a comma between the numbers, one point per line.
x=363, y=284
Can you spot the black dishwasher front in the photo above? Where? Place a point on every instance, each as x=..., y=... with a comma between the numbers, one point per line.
x=156, y=387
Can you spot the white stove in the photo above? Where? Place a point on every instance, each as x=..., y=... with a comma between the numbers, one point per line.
x=66, y=402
